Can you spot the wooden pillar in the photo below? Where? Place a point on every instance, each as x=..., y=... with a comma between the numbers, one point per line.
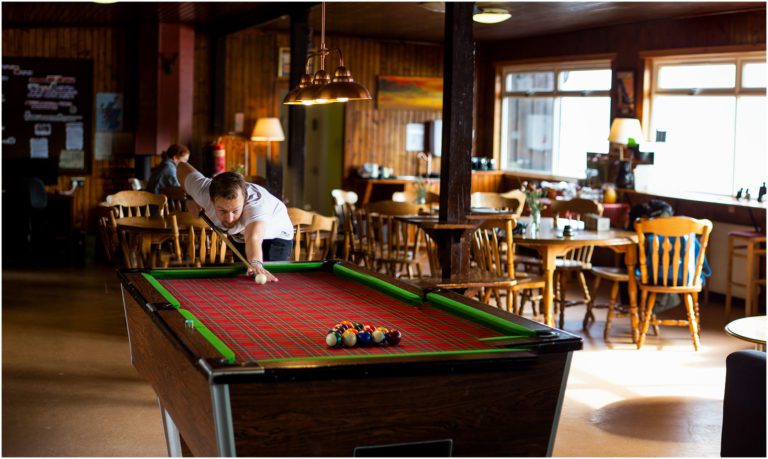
x=455, y=164
x=166, y=72
x=297, y=115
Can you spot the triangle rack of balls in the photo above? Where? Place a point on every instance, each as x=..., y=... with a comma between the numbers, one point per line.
x=348, y=334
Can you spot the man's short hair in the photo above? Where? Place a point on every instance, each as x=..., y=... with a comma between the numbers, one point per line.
x=226, y=184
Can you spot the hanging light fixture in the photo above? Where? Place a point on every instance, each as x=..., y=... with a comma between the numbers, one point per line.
x=490, y=15
x=321, y=88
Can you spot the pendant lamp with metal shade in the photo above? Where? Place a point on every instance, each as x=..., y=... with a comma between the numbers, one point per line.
x=321, y=88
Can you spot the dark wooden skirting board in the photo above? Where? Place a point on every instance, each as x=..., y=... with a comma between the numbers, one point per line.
x=182, y=388
x=332, y=417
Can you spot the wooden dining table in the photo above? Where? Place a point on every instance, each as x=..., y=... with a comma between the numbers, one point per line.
x=550, y=244
x=140, y=234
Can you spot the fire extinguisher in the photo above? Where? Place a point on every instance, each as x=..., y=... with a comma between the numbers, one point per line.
x=219, y=158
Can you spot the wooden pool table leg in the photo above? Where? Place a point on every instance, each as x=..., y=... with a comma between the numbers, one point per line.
x=172, y=437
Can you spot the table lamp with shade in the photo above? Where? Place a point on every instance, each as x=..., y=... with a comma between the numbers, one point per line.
x=267, y=130
x=625, y=131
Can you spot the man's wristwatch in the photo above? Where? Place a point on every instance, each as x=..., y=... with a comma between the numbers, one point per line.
x=257, y=262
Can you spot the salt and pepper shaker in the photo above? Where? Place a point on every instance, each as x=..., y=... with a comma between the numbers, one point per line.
x=567, y=231
x=761, y=193
x=747, y=196
x=739, y=193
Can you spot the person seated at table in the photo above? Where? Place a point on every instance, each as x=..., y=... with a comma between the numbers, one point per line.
x=253, y=218
x=164, y=174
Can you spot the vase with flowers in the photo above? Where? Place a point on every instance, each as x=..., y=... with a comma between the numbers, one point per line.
x=421, y=190
x=532, y=198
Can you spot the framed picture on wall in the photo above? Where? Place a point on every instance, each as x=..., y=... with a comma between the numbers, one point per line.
x=284, y=62
x=625, y=93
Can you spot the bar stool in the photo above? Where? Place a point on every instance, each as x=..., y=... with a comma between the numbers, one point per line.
x=749, y=245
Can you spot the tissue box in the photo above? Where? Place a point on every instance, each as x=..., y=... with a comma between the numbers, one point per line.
x=595, y=222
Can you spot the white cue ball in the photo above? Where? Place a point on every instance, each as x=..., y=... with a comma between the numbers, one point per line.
x=260, y=279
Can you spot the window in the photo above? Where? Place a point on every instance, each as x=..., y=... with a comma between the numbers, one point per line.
x=552, y=115
x=712, y=109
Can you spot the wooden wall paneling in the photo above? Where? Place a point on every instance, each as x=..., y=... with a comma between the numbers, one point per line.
x=376, y=135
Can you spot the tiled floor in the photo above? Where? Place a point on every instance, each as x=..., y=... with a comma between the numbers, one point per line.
x=69, y=388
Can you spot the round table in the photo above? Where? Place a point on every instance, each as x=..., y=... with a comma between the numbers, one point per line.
x=752, y=329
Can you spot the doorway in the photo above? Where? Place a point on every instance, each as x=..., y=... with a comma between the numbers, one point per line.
x=325, y=143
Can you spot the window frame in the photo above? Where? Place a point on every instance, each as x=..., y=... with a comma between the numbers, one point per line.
x=556, y=66
x=654, y=62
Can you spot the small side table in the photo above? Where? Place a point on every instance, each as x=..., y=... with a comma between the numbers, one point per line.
x=752, y=329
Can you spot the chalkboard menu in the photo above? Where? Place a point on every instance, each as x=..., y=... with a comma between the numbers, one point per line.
x=48, y=111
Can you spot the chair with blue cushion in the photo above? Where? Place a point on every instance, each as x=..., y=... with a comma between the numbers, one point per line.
x=671, y=260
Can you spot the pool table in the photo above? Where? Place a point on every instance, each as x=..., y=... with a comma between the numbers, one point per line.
x=242, y=369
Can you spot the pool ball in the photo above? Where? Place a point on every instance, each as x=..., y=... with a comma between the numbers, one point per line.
x=393, y=337
x=347, y=323
x=364, y=338
x=349, y=339
x=333, y=339
x=378, y=337
x=260, y=279
x=359, y=326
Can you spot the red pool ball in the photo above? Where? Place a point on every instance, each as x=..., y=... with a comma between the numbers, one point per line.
x=394, y=337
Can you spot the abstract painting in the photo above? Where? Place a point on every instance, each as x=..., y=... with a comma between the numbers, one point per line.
x=410, y=92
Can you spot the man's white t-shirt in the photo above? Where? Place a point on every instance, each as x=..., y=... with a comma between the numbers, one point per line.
x=260, y=205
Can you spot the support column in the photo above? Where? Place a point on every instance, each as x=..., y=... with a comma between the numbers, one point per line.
x=297, y=115
x=455, y=165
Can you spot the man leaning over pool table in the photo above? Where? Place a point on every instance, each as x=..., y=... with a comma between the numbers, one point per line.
x=248, y=213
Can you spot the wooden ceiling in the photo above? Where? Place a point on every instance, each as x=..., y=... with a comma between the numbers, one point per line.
x=406, y=21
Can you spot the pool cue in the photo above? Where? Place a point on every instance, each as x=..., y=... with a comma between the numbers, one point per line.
x=226, y=240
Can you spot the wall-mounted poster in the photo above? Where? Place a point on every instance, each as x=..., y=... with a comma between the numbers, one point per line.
x=410, y=92
x=48, y=111
x=109, y=112
x=414, y=137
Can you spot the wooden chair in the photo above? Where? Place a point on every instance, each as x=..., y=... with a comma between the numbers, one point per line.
x=669, y=264
x=355, y=247
x=393, y=245
x=496, y=201
x=320, y=237
x=616, y=276
x=517, y=195
x=301, y=220
x=110, y=238
x=204, y=246
x=749, y=246
x=344, y=203
x=489, y=250
x=177, y=198
x=412, y=197
x=138, y=203
x=577, y=260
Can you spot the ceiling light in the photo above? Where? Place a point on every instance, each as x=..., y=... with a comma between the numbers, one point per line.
x=321, y=88
x=490, y=15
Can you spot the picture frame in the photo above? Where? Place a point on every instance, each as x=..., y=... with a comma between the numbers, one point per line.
x=283, y=62
x=625, y=93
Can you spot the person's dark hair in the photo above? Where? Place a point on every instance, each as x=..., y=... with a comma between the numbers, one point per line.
x=175, y=150
x=226, y=184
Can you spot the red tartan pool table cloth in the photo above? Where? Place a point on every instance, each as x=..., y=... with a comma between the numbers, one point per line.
x=290, y=318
